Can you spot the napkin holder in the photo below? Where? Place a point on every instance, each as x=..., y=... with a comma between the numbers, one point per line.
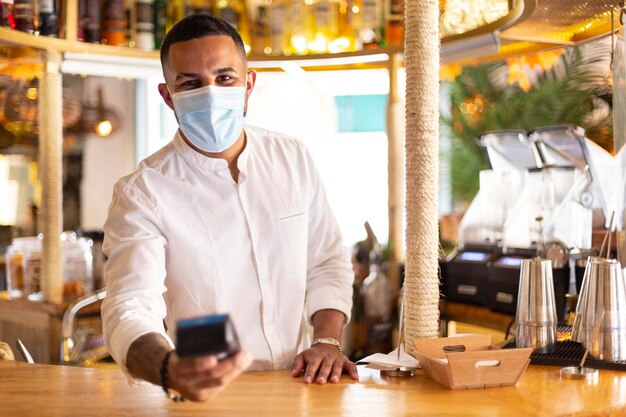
x=465, y=362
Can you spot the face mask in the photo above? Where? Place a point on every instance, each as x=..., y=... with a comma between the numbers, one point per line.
x=211, y=117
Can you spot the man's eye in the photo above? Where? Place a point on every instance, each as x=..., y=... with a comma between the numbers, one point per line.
x=189, y=83
x=224, y=78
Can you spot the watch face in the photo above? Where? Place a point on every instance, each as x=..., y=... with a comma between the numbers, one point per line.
x=557, y=253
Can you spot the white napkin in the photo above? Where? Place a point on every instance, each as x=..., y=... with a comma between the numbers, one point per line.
x=390, y=360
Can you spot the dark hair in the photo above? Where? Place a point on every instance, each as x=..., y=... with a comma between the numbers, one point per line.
x=197, y=26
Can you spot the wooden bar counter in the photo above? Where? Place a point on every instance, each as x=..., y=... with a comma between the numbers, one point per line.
x=52, y=390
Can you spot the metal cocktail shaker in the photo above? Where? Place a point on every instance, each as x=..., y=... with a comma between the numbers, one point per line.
x=603, y=294
x=536, y=317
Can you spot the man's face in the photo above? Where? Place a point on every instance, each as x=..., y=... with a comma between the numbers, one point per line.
x=209, y=60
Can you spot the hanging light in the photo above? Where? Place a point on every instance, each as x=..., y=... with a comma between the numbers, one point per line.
x=99, y=119
x=19, y=107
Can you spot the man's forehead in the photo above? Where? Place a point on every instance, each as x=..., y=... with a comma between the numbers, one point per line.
x=199, y=50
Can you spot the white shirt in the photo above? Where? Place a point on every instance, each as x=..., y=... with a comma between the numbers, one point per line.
x=184, y=240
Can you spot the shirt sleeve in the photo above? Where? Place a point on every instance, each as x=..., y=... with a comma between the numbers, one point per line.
x=329, y=270
x=134, y=272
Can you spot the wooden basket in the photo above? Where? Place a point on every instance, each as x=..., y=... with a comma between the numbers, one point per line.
x=470, y=362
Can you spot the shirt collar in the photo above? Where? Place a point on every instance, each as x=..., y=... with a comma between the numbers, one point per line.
x=207, y=163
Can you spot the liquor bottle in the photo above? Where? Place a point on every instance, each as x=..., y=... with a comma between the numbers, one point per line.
x=261, y=31
x=113, y=22
x=200, y=6
x=6, y=14
x=279, y=36
x=159, y=14
x=48, y=18
x=371, y=23
x=325, y=24
x=89, y=21
x=234, y=12
x=376, y=293
x=347, y=30
x=394, y=22
x=144, y=26
x=24, y=15
x=175, y=13
x=299, y=30
x=131, y=23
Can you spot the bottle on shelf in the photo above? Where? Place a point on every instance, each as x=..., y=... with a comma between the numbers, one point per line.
x=131, y=22
x=113, y=22
x=299, y=31
x=260, y=38
x=325, y=15
x=159, y=14
x=370, y=25
x=347, y=30
x=278, y=29
x=6, y=14
x=394, y=22
x=24, y=15
x=48, y=18
x=144, y=26
x=234, y=12
x=89, y=21
x=376, y=293
x=199, y=6
x=176, y=11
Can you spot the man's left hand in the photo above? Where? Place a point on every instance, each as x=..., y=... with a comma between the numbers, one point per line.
x=322, y=363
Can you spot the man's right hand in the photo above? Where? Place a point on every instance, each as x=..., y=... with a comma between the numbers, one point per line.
x=197, y=379
x=202, y=378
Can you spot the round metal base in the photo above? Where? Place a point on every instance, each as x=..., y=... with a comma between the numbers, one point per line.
x=575, y=372
x=399, y=372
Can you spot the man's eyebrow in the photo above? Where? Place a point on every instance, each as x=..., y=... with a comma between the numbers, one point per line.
x=186, y=75
x=224, y=70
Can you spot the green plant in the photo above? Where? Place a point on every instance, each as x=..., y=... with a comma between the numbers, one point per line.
x=569, y=92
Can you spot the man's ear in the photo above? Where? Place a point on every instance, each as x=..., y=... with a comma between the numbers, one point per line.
x=250, y=81
x=165, y=94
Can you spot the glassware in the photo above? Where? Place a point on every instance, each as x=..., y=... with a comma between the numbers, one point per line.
x=77, y=267
x=15, y=266
x=31, y=264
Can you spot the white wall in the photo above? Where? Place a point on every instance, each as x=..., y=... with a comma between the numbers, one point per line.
x=105, y=160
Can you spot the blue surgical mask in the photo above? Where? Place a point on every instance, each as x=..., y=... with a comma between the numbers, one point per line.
x=211, y=117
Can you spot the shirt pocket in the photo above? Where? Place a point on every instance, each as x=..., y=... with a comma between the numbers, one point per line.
x=292, y=226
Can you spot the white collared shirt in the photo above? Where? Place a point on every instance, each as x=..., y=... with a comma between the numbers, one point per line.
x=184, y=240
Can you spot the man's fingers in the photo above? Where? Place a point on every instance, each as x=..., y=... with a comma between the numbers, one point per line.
x=298, y=366
x=205, y=382
x=335, y=374
x=324, y=370
x=351, y=369
x=311, y=369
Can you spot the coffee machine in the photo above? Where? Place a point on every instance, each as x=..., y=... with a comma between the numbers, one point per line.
x=481, y=229
x=553, y=216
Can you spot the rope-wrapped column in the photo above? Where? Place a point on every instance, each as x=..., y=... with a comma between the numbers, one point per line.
x=51, y=176
x=421, y=286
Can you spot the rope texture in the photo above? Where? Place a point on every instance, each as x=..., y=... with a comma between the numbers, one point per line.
x=51, y=165
x=421, y=286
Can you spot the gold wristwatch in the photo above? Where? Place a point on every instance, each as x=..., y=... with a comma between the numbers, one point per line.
x=327, y=341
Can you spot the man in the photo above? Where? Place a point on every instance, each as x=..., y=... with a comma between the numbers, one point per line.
x=224, y=219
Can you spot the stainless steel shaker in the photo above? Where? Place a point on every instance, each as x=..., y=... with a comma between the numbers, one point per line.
x=536, y=317
x=603, y=294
